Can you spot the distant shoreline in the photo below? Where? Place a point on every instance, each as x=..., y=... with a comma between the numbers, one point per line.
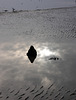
x=17, y=11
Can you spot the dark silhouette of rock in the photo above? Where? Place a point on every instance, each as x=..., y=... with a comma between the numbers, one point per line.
x=0, y=93
x=54, y=58
x=13, y=10
x=32, y=53
x=5, y=10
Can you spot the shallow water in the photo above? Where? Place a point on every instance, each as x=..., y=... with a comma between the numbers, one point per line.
x=18, y=31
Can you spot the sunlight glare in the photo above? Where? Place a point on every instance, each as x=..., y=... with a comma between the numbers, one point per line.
x=45, y=52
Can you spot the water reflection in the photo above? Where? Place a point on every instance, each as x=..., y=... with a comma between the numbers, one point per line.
x=16, y=68
x=15, y=65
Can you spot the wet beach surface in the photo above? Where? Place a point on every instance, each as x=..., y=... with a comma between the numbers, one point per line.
x=52, y=75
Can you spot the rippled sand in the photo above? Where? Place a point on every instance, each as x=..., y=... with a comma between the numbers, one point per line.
x=37, y=93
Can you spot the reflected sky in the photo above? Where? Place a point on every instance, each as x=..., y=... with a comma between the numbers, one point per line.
x=15, y=65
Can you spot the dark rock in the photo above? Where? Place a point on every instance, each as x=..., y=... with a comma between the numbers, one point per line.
x=32, y=53
x=54, y=58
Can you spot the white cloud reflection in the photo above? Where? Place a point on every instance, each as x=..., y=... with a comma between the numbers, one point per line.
x=45, y=52
x=46, y=82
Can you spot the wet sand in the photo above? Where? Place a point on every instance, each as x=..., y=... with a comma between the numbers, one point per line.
x=37, y=93
x=52, y=75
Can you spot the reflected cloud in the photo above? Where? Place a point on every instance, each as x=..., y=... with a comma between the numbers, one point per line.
x=45, y=81
x=44, y=52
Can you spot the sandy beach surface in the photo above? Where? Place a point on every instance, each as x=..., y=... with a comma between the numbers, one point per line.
x=51, y=76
